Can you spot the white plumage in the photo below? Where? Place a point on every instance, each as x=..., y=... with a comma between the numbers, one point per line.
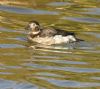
x=58, y=39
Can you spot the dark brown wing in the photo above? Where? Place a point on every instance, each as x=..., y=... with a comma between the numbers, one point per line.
x=64, y=33
x=47, y=32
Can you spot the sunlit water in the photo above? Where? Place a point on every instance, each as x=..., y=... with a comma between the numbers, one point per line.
x=25, y=65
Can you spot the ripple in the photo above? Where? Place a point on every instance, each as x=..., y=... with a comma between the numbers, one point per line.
x=92, y=11
x=19, y=39
x=12, y=67
x=93, y=33
x=11, y=30
x=4, y=84
x=11, y=46
x=49, y=74
x=5, y=67
x=59, y=3
x=62, y=61
x=9, y=54
x=96, y=78
x=69, y=83
x=71, y=69
x=60, y=48
x=8, y=84
x=26, y=10
x=67, y=62
x=85, y=45
x=82, y=19
x=5, y=73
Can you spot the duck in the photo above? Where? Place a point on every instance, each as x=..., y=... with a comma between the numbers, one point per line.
x=49, y=35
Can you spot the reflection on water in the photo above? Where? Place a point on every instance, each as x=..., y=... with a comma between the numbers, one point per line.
x=71, y=69
x=67, y=83
x=10, y=46
x=59, y=3
x=92, y=11
x=18, y=10
x=82, y=19
x=5, y=84
x=25, y=65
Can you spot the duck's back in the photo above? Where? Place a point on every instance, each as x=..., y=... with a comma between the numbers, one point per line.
x=64, y=33
x=49, y=32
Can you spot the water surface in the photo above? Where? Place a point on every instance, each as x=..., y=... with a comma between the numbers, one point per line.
x=25, y=65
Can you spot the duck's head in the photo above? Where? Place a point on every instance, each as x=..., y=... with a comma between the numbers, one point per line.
x=33, y=27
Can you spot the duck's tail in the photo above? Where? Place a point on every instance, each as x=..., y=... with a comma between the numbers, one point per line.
x=78, y=40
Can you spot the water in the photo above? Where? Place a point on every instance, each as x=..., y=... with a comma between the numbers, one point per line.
x=25, y=65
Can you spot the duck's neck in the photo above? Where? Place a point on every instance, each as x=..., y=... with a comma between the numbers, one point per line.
x=32, y=35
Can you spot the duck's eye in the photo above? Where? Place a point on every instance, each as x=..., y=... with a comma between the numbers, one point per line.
x=37, y=28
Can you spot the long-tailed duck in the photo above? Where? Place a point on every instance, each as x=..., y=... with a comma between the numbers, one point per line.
x=49, y=36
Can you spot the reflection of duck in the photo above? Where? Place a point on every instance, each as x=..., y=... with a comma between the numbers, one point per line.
x=49, y=36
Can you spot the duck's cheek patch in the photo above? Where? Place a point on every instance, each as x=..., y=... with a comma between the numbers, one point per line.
x=31, y=25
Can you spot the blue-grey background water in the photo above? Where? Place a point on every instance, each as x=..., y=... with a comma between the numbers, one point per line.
x=25, y=65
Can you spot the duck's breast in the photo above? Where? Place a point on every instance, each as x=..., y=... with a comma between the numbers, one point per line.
x=44, y=40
